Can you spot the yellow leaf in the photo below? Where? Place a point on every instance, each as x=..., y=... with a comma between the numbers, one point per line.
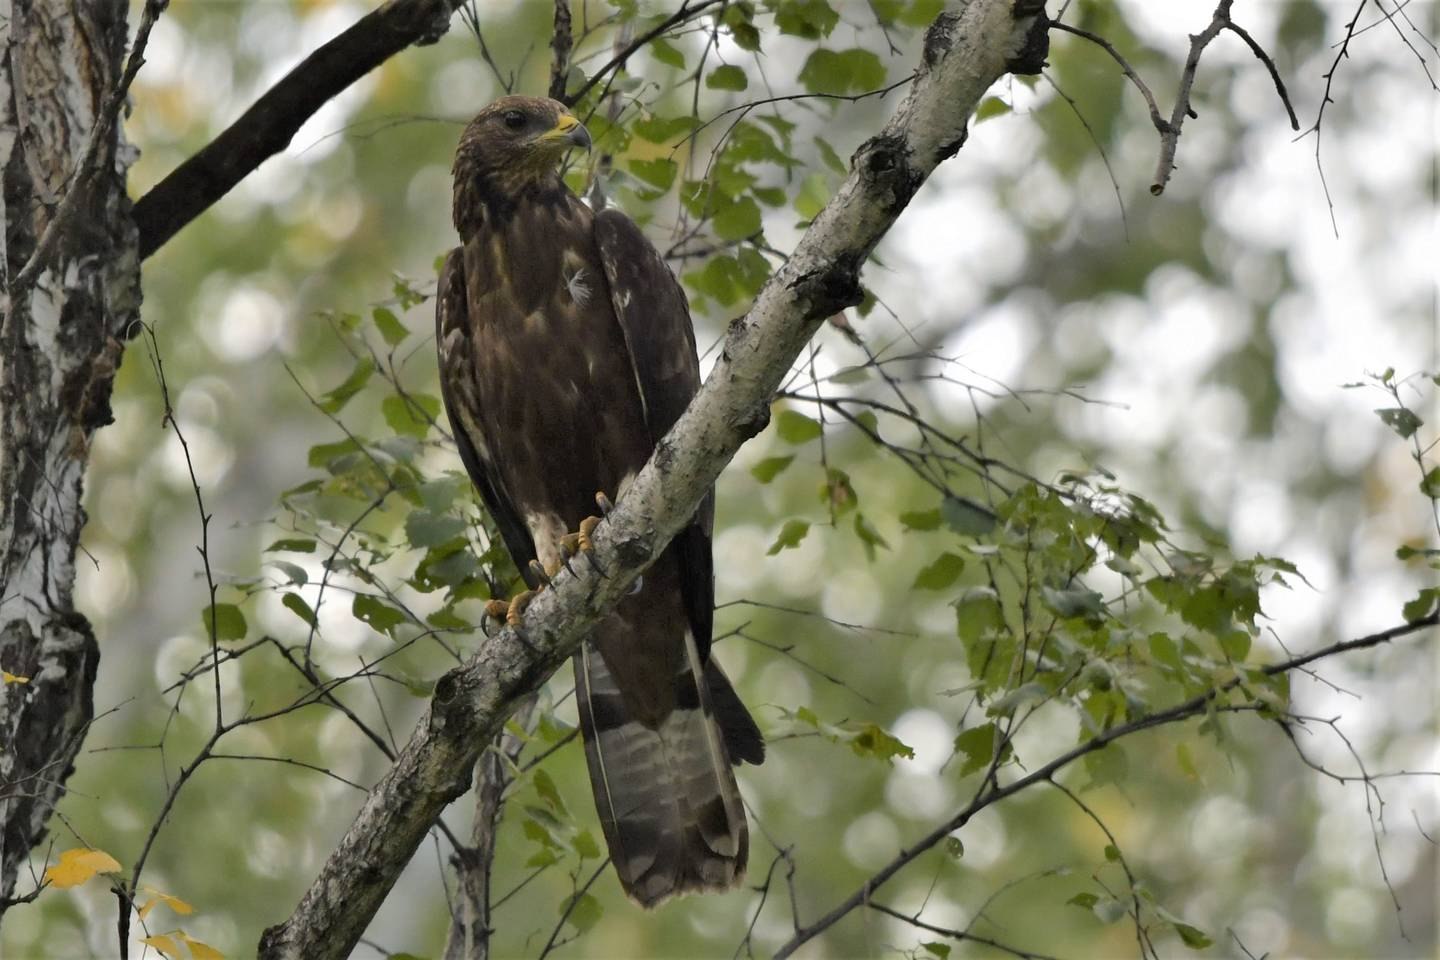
x=78, y=865
x=9, y=677
x=164, y=944
x=201, y=951
x=174, y=903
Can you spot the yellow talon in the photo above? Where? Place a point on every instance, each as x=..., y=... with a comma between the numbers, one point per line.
x=516, y=612
x=587, y=527
x=510, y=612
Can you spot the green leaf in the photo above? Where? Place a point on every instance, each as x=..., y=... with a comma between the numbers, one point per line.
x=665, y=52
x=336, y=399
x=439, y=494
x=294, y=572
x=389, y=326
x=1074, y=602
x=941, y=574
x=976, y=612
x=1112, y=852
x=737, y=220
x=1021, y=696
x=937, y=949
x=226, y=620
x=296, y=604
x=739, y=19
x=790, y=536
x=1420, y=607
x=327, y=454
x=795, y=427
x=977, y=745
x=842, y=72
x=586, y=847
x=831, y=158
x=921, y=13
x=1403, y=421
x=991, y=107
x=770, y=468
x=661, y=129
x=921, y=519
x=1193, y=937
x=869, y=536
x=811, y=19
x=1164, y=651
x=545, y=786
x=966, y=517
x=873, y=741
x=837, y=493
x=1107, y=765
x=584, y=913
x=381, y=617
x=426, y=529
x=411, y=415
x=659, y=173
x=1085, y=901
x=1186, y=761
x=1430, y=484
x=727, y=77
x=1236, y=644
x=814, y=194
x=292, y=545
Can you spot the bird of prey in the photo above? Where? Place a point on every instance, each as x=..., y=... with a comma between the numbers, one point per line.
x=566, y=352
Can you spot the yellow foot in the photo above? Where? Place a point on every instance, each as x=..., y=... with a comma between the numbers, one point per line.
x=513, y=612
x=581, y=542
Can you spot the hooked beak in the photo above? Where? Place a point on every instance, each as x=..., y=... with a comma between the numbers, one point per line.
x=570, y=130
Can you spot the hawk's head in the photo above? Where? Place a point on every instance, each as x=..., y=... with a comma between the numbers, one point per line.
x=518, y=140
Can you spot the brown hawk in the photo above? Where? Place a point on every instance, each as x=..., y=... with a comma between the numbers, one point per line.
x=566, y=352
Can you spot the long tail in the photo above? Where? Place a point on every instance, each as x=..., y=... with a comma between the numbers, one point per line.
x=666, y=796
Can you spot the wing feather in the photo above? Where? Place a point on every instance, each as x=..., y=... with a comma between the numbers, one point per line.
x=655, y=318
x=459, y=365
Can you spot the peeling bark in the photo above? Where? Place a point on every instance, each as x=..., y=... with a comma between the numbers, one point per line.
x=59, y=350
x=964, y=54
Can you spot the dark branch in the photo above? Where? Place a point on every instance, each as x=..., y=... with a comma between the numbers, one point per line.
x=266, y=128
x=685, y=14
x=560, y=44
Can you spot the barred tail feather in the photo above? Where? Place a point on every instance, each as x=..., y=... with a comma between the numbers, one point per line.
x=666, y=796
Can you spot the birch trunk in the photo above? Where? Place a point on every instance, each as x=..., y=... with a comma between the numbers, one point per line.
x=60, y=343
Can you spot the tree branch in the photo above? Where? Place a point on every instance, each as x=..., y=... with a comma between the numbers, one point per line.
x=470, y=925
x=560, y=45
x=1184, y=710
x=266, y=128
x=964, y=53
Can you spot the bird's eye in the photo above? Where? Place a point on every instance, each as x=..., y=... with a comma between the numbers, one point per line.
x=514, y=119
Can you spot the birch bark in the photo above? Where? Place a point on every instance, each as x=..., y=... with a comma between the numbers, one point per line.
x=60, y=343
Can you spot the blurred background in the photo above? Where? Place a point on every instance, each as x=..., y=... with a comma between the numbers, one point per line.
x=1194, y=345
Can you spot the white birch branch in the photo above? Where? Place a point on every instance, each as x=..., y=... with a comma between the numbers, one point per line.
x=964, y=53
